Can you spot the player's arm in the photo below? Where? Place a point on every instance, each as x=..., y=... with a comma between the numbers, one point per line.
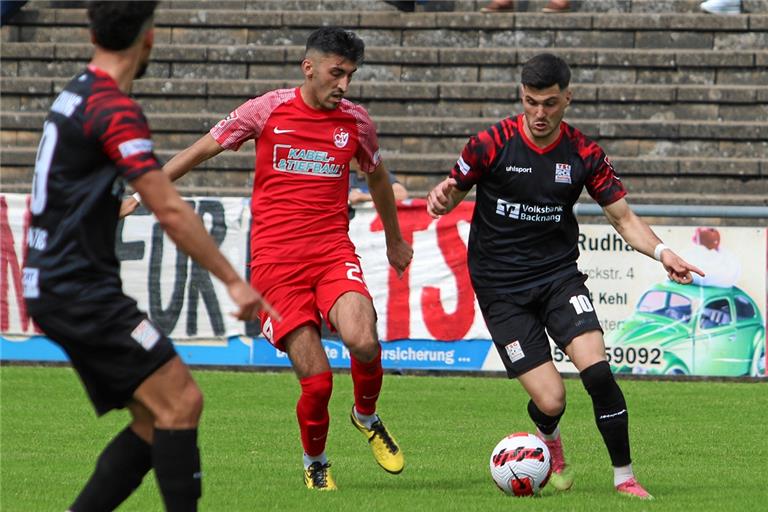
x=399, y=252
x=469, y=169
x=204, y=149
x=641, y=237
x=186, y=229
x=444, y=197
x=184, y=161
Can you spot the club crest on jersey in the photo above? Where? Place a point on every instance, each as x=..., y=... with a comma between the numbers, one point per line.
x=340, y=137
x=562, y=173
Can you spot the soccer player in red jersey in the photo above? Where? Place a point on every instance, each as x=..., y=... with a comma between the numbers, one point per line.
x=529, y=171
x=301, y=256
x=95, y=139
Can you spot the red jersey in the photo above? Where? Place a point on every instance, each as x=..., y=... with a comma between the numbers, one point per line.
x=301, y=180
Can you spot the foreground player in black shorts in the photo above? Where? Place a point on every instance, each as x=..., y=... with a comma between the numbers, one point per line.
x=529, y=170
x=94, y=139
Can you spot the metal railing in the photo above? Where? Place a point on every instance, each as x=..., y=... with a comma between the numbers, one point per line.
x=670, y=210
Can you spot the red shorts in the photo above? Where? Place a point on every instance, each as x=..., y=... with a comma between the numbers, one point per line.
x=302, y=292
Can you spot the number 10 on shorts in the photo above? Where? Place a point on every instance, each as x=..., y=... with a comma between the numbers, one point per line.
x=581, y=304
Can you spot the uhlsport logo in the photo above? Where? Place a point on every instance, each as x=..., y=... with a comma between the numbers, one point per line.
x=562, y=173
x=340, y=137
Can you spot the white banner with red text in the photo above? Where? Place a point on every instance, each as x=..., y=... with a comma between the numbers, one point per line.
x=428, y=317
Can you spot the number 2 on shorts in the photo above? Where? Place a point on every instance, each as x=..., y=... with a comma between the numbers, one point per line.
x=354, y=273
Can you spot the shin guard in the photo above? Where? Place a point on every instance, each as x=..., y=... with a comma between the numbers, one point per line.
x=312, y=412
x=367, y=379
x=610, y=409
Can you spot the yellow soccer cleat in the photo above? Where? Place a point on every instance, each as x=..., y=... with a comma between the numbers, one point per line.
x=385, y=449
x=318, y=476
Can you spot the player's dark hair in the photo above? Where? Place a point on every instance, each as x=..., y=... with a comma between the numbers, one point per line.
x=337, y=41
x=545, y=70
x=117, y=25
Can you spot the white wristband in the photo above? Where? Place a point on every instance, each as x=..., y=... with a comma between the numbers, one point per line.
x=137, y=197
x=657, y=251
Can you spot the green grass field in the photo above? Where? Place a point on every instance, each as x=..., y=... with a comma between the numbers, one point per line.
x=696, y=445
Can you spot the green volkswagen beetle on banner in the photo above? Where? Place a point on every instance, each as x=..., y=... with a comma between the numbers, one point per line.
x=690, y=330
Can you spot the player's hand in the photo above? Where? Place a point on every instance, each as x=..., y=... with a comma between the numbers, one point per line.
x=128, y=206
x=249, y=302
x=399, y=254
x=439, y=200
x=677, y=268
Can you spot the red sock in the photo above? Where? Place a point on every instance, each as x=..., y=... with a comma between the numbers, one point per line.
x=312, y=412
x=367, y=378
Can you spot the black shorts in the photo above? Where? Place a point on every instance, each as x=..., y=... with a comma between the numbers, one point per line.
x=113, y=346
x=517, y=321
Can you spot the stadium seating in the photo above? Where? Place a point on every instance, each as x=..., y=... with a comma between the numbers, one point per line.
x=679, y=99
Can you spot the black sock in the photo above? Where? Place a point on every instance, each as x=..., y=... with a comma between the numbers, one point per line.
x=119, y=471
x=610, y=409
x=176, y=460
x=545, y=423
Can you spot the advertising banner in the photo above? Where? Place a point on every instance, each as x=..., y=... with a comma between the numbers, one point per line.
x=429, y=318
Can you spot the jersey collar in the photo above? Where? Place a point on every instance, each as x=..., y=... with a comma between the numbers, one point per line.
x=530, y=143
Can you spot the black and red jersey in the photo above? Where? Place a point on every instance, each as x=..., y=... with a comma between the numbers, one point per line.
x=94, y=138
x=523, y=231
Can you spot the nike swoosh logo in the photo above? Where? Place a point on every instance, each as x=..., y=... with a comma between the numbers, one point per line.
x=370, y=397
x=318, y=438
x=278, y=131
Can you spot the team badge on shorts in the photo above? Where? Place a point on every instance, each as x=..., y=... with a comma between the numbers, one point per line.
x=340, y=137
x=145, y=334
x=514, y=351
x=562, y=173
x=268, y=330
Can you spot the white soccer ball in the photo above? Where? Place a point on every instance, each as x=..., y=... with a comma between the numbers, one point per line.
x=520, y=464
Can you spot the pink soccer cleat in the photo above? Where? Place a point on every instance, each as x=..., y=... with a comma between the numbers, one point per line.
x=633, y=488
x=562, y=475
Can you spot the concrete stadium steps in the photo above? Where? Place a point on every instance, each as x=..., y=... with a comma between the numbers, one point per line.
x=488, y=99
x=428, y=127
x=596, y=6
x=448, y=29
x=670, y=93
x=671, y=180
x=414, y=64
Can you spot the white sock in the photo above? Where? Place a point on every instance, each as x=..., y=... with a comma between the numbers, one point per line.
x=366, y=419
x=550, y=437
x=621, y=474
x=322, y=459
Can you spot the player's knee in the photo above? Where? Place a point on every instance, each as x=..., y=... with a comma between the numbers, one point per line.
x=183, y=410
x=551, y=405
x=598, y=379
x=363, y=345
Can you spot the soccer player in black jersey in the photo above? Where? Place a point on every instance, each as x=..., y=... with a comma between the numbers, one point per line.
x=95, y=138
x=529, y=171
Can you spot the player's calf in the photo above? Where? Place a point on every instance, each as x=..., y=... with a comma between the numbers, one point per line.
x=176, y=459
x=119, y=471
x=548, y=431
